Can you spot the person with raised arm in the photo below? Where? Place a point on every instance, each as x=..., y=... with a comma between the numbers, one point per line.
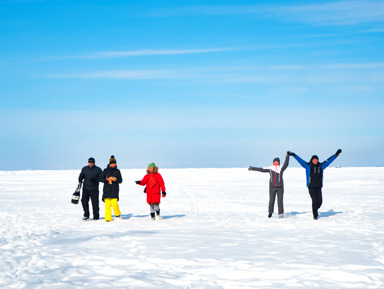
x=314, y=172
x=276, y=184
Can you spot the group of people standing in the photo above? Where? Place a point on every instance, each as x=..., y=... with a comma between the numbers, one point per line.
x=314, y=173
x=92, y=175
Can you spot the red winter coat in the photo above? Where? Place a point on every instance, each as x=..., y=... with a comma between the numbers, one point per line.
x=155, y=185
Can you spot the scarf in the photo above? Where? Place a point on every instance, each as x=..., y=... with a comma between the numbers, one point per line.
x=152, y=181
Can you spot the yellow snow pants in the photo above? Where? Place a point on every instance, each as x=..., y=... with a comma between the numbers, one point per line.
x=108, y=212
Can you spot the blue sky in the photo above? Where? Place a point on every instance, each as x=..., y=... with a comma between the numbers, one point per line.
x=190, y=83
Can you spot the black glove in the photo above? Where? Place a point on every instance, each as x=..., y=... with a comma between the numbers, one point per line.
x=138, y=182
x=338, y=152
x=291, y=153
x=164, y=194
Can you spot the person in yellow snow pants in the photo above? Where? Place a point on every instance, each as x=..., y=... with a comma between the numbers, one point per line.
x=108, y=211
x=111, y=177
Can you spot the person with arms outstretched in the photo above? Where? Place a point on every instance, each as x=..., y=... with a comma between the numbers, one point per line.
x=276, y=184
x=314, y=172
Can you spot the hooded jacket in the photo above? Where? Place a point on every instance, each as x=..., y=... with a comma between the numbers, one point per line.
x=276, y=173
x=154, y=186
x=314, y=173
x=111, y=190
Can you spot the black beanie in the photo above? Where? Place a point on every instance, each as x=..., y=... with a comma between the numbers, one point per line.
x=276, y=160
x=91, y=160
x=112, y=160
x=314, y=157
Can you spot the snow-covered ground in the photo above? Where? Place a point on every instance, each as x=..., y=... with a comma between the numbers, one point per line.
x=214, y=233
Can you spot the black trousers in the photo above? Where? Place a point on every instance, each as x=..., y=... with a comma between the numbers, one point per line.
x=317, y=200
x=272, y=197
x=94, y=196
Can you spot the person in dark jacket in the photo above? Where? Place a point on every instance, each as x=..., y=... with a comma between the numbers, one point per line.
x=314, y=172
x=276, y=184
x=91, y=176
x=111, y=177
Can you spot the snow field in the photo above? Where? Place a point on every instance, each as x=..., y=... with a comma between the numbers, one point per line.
x=214, y=232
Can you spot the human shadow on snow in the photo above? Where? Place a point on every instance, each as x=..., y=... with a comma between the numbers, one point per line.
x=292, y=214
x=321, y=214
x=124, y=217
x=128, y=216
x=173, y=216
x=328, y=214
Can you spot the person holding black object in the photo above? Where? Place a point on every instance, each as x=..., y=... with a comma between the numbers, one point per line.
x=91, y=175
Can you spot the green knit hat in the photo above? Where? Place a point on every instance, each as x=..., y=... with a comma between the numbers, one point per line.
x=152, y=165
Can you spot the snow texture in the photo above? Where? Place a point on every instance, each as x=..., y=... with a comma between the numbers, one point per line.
x=214, y=233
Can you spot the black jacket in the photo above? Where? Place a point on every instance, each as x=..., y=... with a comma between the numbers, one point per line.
x=111, y=190
x=316, y=176
x=91, y=177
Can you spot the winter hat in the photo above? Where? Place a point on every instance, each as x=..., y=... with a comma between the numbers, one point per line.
x=152, y=165
x=314, y=157
x=112, y=160
x=91, y=160
x=276, y=160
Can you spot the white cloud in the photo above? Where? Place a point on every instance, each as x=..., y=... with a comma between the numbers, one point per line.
x=337, y=13
x=273, y=74
x=131, y=74
x=376, y=30
x=145, y=52
x=333, y=13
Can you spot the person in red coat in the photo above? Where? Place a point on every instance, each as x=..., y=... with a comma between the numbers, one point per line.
x=155, y=188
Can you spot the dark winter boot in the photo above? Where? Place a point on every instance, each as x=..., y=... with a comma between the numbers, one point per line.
x=269, y=215
x=153, y=216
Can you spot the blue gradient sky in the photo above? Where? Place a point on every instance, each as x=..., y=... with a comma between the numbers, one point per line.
x=190, y=83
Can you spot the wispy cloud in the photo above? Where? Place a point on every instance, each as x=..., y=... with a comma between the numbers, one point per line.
x=325, y=73
x=130, y=74
x=334, y=13
x=376, y=30
x=145, y=52
x=337, y=13
x=17, y=1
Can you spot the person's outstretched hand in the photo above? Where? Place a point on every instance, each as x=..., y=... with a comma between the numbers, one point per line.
x=338, y=152
x=291, y=153
x=137, y=182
